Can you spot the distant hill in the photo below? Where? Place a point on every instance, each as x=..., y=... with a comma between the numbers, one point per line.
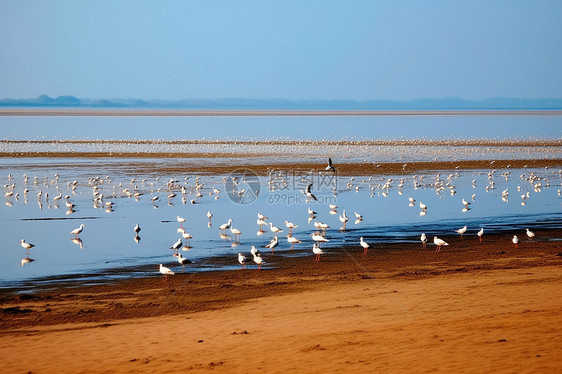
x=450, y=103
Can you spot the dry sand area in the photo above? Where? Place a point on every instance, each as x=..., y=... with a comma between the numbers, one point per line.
x=473, y=307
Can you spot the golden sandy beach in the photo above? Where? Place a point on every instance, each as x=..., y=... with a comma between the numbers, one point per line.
x=473, y=307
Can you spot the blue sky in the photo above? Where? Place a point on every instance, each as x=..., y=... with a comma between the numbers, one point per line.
x=281, y=49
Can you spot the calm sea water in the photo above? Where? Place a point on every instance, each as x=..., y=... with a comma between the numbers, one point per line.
x=107, y=243
x=318, y=128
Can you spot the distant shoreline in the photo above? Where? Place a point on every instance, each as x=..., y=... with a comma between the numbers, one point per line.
x=105, y=112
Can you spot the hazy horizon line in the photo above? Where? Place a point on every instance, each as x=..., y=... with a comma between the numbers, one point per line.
x=499, y=103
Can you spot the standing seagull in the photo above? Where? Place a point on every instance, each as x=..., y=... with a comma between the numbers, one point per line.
x=258, y=260
x=274, y=229
x=26, y=246
x=462, y=230
x=530, y=234
x=344, y=219
x=181, y=220
x=290, y=226
x=330, y=166
x=225, y=226
x=177, y=245
x=164, y=270
x=480, y=233
x=242, y=260
x=236, y=233
x=183, y=261
x=273, y=243
x=423, y=239
x=318, y=238
x=439, y=243
x=78, y=230
x=317, y=251
x=364, y=244
x=293, y=241
x=515, y=241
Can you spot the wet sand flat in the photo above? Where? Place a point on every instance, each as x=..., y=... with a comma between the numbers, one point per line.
x=173, y=165
x=473, y=307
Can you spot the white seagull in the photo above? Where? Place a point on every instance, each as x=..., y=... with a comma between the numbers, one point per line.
x=480, y=233
x=462, y=230
x=293, y=241
x=364, y=244
x=242, y=260
x=290, y=226
x=515, y=241
x=137, y=229
x=181, y=220
x=439, y=243
x=273, y=243
x=258, y=260
x=317, y=251
x=274, y=229
x=164, y=270
x=236, y=233
x=225, y=226
x=530, y=234
x=423, y=239
x=254, y=251
x=318, y=238
x=78, y=230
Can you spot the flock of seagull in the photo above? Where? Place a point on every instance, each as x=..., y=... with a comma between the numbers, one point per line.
x=318, y=237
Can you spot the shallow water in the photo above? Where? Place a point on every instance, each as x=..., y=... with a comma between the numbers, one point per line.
x=108, y=239
x=264, y=128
